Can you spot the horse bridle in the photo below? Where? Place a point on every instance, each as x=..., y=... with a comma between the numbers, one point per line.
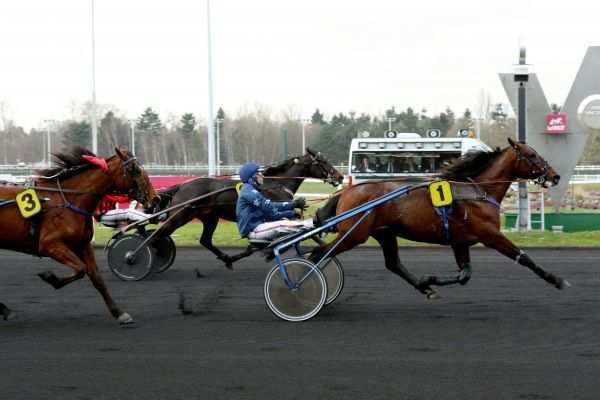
x=132, y=169
x=534, y=166
x=318, y=160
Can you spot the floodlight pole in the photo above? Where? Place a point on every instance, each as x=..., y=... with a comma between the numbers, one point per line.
x=48, y=141
x=521, y=77
x=211, y=119
x=390, y=120
x=93, y=111
x=219, y=121
x=304, y=122
x=132, y=141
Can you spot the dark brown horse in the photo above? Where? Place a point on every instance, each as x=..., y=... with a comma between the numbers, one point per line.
x=285, y=179
x=471, y=221
x=63, y=229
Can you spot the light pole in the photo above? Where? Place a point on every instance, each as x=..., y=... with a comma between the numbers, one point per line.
x=93, y=112
x=219, y=121
x=211, y=137
x=390, y=120
x=132, y=140
x=304, y=122
x=48, y=122
x=521, y=77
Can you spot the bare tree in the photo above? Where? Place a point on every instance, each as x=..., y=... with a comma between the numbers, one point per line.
x=6, y=128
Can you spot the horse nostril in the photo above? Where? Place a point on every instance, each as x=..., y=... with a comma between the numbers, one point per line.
x=556, y=179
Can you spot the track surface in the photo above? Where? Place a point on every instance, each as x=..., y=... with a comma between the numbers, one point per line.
x=506, y=335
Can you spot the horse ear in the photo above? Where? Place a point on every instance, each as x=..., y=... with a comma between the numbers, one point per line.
x=513, y=144
x=310, y=151
x=296, y=160
x=120, y=154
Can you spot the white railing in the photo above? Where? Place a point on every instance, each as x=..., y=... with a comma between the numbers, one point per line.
x=583, y=174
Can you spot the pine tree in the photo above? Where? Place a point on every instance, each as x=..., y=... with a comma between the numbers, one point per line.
x=78, y=134
x=188, y=124
x=149, y=123
x=317, y=118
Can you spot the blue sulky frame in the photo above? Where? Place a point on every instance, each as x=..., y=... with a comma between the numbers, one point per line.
x=365, y=208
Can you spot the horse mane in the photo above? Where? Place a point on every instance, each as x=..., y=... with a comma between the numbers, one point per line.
x=273, y=170
x=69, y=163
x=470, y=165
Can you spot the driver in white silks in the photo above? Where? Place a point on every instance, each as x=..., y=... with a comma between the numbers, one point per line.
x=113, y=217
x=261, y=218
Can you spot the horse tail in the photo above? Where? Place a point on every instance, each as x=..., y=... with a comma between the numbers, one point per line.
x=327, y=211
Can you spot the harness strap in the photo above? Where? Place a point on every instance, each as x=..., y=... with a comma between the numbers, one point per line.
x=444, y=213
x=492, y=201
x=7, y=202
x=78, y=210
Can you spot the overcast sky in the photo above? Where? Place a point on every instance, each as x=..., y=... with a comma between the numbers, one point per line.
x=337, y=55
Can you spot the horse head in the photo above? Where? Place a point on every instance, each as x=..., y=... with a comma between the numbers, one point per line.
x=318, y=167
x=530, y=165
x=131, y=178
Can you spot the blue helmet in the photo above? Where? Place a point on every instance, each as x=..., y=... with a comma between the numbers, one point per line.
x=248, y=171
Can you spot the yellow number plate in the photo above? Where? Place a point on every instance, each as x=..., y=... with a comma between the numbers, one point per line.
x=28, y=203
x=441, y=193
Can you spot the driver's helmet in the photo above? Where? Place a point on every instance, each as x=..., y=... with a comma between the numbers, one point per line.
x=248, y=172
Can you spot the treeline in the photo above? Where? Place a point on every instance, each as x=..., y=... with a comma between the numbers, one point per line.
x=258, y=134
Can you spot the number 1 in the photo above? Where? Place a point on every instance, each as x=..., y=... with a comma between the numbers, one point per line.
x=441, y=190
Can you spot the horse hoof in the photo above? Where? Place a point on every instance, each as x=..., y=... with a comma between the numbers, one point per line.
x=563, y=284
x=8, y=314
x=433, y=295
x=125, y=319
x=225, y=259
x=198, y=273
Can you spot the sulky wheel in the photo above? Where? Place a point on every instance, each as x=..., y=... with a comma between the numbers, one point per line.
x=164, y=252
x=307, y=296
x=334, y=275
x=124, y=264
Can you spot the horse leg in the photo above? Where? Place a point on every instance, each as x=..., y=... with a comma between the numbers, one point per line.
x=6, y=312
x=249, y=250
x=89, y=257
x=210, y=223
x=463, y=260
x=389, y=245
x=61, y=253
x=496, y=240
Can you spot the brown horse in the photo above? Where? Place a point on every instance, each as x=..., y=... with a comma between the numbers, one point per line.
x=472, y=221
x=63, y=229
x=281, y=182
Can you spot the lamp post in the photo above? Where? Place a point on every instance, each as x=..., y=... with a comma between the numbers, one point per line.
x=390, y=120
x=211, y=137
x=93, y=112
x=304, y=121
x=48, y=122
x=521, y=77
x=218, y=122
x=132, y=140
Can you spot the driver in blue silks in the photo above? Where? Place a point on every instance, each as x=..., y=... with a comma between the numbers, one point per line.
x=261, y=218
